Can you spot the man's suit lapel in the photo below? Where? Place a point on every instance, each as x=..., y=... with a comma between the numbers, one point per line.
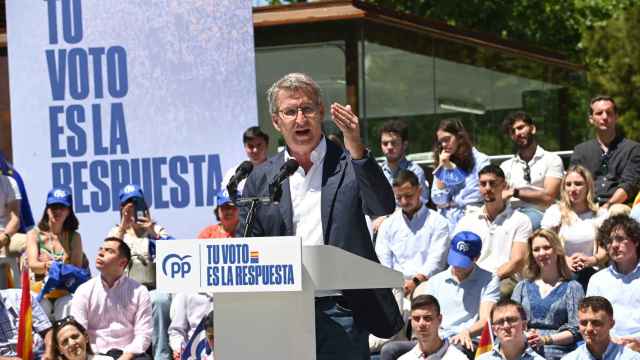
x=285, y=201
x=332, y=173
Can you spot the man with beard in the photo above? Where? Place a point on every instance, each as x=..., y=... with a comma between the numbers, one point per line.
x=533, y=174
x=394, y=141
x=504, y=231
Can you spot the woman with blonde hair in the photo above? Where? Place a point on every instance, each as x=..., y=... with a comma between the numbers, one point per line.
x=576, y=219
x=549, y=296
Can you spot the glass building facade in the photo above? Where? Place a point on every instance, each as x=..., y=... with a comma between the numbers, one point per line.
x=391, y=65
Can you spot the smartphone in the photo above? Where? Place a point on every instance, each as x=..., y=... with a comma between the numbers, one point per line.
x=140, y=208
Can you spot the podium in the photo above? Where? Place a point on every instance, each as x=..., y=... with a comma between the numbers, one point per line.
x=281, y=325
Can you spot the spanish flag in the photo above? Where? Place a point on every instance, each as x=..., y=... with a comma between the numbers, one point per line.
x=486, y=341
x=25, y=333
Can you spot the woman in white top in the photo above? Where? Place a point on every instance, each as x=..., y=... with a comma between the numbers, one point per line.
x=576, y=219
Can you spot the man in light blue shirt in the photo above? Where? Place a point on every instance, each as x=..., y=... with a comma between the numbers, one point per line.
x=595, y=321
x=509, y=322
x=620, y=282
x=414, y=239
x=394, y=141
x=466, y=292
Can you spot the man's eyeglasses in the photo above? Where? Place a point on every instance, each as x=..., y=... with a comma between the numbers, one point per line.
x=292, y=113
x=527, y=173
x=510, y=320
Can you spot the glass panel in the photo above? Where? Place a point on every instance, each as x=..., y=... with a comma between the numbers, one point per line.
x=324, y=62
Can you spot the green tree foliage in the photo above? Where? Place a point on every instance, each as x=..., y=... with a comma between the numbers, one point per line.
x=613, y=56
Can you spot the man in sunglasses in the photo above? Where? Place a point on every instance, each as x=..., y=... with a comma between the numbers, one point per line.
x=613, y=160
x=509, y=322
x=533, y=174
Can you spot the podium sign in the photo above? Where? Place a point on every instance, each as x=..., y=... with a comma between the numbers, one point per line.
x=229, y=265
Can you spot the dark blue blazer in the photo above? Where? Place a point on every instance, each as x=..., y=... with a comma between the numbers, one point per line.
x=350, y=189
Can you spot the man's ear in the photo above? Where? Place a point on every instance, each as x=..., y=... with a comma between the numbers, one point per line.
x=533, y=129
x=274, y=121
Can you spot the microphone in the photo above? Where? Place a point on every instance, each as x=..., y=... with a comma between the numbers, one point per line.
x=242, y=171
x=287, y=169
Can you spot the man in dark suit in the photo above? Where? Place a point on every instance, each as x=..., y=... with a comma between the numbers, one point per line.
x=324, y=202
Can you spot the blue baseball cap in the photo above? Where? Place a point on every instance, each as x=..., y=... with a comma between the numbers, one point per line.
x=465, y=246
x=222, y=199
x=59, y=196
x=129, y=192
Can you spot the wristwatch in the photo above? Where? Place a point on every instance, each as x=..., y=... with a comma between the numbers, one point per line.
x=516, y=193
x=416, y=281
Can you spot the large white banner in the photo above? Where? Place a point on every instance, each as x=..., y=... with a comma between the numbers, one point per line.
x=112, y=92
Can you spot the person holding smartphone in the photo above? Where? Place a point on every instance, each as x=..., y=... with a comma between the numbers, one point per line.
x=138, y=230
x=455, y=180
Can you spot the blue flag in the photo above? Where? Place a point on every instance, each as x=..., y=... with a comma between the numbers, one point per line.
x=198, y=347
x=64, y=276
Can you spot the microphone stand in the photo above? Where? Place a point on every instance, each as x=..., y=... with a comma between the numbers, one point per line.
x=253, y=207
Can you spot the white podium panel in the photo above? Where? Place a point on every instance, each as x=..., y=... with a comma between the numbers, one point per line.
x=266, y=324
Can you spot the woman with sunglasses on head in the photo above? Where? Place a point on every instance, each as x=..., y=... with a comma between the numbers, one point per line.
x=576, y=219
x=455, y=180
x=54, y=239
x=71, y=341
x=549, y=296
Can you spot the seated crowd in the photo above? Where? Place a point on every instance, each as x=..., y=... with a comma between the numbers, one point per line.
x=535, y=251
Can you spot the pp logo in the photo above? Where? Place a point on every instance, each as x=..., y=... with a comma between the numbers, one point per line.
x=176, y=265
x=129, y=189
x=462, y=246
x=59, y=194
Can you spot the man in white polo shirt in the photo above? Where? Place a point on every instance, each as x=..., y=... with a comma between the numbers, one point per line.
x=504, y=231
x=533, y=174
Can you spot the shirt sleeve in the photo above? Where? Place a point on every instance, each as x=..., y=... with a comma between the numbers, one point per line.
x=491, y=292
x=470, y=193
x=556, y=167
x=524, y=230
x=438, y=250
x=518, y=292
x=551, y=217
x=385, y=255
x=375, y=190
x=40, y=320
x=143, y=326
x=179, y=327
x=422, y=180
x=631, y=173
x=574, y=295
x=80, y=304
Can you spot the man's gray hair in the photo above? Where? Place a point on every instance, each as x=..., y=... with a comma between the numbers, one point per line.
x=293, y=82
